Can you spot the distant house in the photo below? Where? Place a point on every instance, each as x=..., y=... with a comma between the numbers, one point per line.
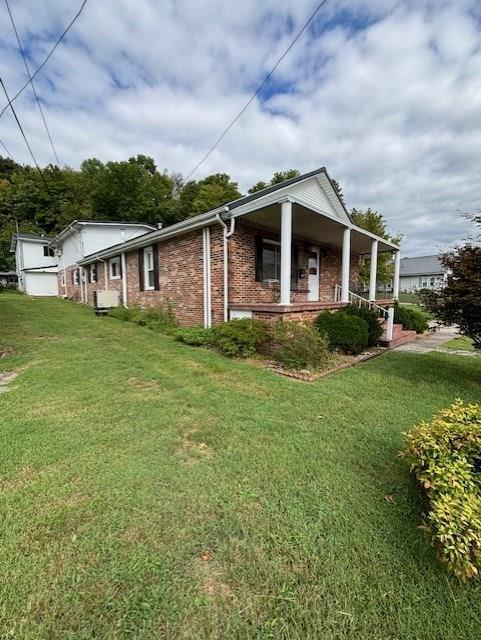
x=422, y=272
x=35, y=264
x=81, y=238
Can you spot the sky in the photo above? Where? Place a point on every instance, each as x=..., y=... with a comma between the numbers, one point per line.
x=385, y=94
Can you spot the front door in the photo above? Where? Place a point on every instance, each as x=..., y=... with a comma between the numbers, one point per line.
x=313, y=269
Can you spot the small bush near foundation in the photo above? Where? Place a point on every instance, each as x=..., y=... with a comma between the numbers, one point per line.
x=298, y=346
x=241, y=337
x=374, y=328
x=159, y=319
x=195, y=336
x=445, y=455
x=411, y=319
x=346, y=333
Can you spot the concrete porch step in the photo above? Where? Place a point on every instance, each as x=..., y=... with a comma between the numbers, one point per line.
x=398, y=338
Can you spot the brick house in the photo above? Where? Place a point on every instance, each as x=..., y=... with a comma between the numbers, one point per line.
x=287, y=251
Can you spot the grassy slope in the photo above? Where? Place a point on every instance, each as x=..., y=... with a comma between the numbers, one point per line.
x=461, y=343
x=127, y=458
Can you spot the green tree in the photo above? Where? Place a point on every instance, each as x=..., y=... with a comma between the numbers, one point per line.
x=338, y=190
x=374, y=222
x=200, y=196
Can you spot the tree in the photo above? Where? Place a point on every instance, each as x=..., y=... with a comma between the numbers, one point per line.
x=374, y=222
x=338, y=190
x=460, y=301
x=277, y=178
x=258, y=186
x=209, y=193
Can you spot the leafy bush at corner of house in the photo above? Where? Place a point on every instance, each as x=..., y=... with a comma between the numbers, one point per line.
x=374, y=327
x=241, y=337
x=346, y=333
x=298, y=346
x=195, y=336
x=411, y=319
x=445, y=455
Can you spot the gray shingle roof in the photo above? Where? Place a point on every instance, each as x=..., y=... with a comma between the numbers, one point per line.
x=421, y=265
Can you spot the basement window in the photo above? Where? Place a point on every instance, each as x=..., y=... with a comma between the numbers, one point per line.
x=114, y=265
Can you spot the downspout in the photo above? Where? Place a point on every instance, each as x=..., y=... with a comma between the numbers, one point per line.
x=124, y=279
x=227, y=234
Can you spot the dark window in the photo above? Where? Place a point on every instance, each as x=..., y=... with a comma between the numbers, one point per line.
x=268, y=261
x=47, y=251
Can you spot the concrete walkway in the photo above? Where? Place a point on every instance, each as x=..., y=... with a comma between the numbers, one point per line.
x=433, y=341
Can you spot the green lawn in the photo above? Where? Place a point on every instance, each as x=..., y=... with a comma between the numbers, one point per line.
x=154, y=490
x=461, y=343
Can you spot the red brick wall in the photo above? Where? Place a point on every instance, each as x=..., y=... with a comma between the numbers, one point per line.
x=180, y=279
x=243, y=287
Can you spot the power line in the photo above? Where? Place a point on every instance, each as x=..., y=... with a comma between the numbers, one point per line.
x=5, y=147
x=31, y=82
x=258, y=90
x=66, y=30
x=23, y=134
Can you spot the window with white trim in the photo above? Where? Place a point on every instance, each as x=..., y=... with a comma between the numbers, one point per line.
x=62, y=278
x=93, y=273
x=47, y=251
x=114, y=267
x=76, y=277
x=149, y=268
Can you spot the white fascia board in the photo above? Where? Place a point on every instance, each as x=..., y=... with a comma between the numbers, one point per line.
x=191, y=224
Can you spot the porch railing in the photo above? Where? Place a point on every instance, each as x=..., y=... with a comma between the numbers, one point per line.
x=359, y=301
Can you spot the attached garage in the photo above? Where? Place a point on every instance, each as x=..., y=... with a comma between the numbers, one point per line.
x=41, y=282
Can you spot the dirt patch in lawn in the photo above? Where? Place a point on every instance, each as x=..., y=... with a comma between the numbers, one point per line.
x=6, y=379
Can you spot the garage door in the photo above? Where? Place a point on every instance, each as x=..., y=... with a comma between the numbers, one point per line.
x=41, y=284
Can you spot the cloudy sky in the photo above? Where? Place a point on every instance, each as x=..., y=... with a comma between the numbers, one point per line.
x=386, y=94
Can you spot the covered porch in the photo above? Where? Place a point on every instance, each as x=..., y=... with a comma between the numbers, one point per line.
x=306, y=260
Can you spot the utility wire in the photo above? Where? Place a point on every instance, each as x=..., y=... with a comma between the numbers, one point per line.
x=8, y=152
x=23, y=134
x=31, y=82
x=66, y=30
x=258, y=90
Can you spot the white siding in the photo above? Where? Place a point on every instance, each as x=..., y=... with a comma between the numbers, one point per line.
x=40, y=284
x=313, y=195
x=30, y=254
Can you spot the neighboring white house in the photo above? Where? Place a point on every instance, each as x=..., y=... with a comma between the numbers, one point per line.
x=83, y=237
x=422, y=272
x=35, y=264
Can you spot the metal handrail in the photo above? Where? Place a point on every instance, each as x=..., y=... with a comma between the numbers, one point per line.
x=354, y=298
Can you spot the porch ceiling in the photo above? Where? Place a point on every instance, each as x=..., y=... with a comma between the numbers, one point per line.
x=313, y=227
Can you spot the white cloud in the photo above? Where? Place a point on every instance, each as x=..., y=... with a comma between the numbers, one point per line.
x=384, y=93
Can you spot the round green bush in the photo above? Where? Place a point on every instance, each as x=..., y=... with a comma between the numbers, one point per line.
x=298, y=346
x=241, y=337
x=345, y=332
x=374, y=327
x=411, y=319
x=195, y=336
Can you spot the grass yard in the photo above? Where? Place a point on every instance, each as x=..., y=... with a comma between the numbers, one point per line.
x=460, y=343
x=153, y=490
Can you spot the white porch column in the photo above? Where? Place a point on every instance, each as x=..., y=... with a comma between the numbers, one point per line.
x=286, y=249
x=346, y=261
x=397, y=270
x=373, y=274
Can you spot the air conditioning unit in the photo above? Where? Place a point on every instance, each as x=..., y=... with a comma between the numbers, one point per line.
x=105, y=300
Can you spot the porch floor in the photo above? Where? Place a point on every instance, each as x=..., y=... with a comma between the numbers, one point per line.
x=296, y=307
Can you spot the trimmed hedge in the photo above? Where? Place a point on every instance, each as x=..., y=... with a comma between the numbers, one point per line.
x=374, y=328
x=445, y=455
x=345, y=332
x=411, y=319
x=241, y=337
x=298, y=346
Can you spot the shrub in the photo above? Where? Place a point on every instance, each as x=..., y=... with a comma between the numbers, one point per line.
x=298, y=346
x=374, y=327
x=195, y=336
x=344, y=332
x=159, y=319
x=240, y=337
x=411, y=319
x=445, y=455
